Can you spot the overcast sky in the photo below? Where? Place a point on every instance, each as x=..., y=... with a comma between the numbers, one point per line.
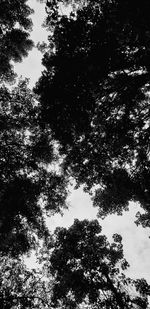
x=135, y=239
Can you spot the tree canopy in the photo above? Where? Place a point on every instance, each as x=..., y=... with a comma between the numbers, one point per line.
x=26, y=183
x=89, y=270
x=88, y=118
x=15, y=42
x=28, y=188
x=81, y=269
x=21, y=287
x=94, y=93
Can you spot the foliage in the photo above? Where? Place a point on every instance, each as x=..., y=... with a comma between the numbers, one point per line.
x=87, y=268
x=15, y=26
x=81, y=270
x=94, y=93
x=94, y=99
x=20, y=287
x=26, y=182
x=82, y=277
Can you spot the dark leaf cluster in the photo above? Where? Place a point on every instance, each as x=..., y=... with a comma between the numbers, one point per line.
x=26, y=184
x=15, y=42
x=94, y=93
x=87, y=268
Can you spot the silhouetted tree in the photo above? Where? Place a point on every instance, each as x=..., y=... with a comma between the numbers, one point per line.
x=21, y=287
x=28, y=188
x=15, y=26
x=81, y=269
x=94, y=93
x=87, y=268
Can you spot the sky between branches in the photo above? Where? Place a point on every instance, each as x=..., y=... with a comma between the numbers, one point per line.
x=135, y=239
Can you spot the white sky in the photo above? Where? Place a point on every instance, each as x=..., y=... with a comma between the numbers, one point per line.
x=135, y=239
x=31, y=66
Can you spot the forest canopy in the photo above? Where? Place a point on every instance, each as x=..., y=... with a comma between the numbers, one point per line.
x=94, y=93
x=15, y=42
x=26, y=150
x=86, y=119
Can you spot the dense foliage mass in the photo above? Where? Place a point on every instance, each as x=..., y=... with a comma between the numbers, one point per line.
x=88, y=270
x=93, y=107
x=22, y=288
x=26, y=152
x=81, y=270
x=15, y=26
x=95, y=96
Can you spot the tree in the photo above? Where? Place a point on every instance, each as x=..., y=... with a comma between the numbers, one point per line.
x=21, y=287
x=73, y=270
x=28, y=188
x=15, y=26
x=94, y=93
x=87, y=268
